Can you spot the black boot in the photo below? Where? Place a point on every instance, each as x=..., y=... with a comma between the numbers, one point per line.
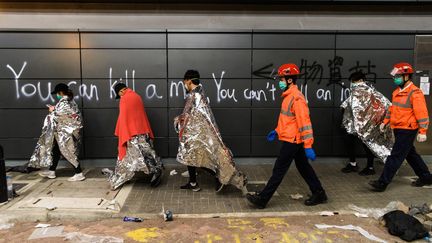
x=316, y=198
x=421, y=182
x=377, y=186
x=349, y=168
x=256, y=201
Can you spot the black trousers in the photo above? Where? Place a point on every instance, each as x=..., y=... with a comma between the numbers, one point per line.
x=56, y=157
x=351, y=144
x=403, y=148
x=288, y=153
x=192, y=173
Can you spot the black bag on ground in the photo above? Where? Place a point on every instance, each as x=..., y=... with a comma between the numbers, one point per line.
x=404, y=226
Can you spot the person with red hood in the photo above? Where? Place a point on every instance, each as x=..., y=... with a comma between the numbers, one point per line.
x=135, y=141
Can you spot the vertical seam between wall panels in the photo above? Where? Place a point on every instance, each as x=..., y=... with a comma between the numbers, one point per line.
x=167, y=95
x=81, y=98
x=251, y=101
x=333, y=149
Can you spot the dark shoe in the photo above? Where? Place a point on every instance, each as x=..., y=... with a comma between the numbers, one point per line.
x=377, y=186
x=316, y=198
x=421, y=182
x=255, y=201
x=195, y=188
x=156, y=179
x=349, y=168
x=367, y=171
x=218, y=186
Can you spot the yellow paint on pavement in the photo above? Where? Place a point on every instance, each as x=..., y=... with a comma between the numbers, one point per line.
x=144, y=234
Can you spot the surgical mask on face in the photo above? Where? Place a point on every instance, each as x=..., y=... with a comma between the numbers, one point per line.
x=59, y=96
x=398, y=80
x=282, y=85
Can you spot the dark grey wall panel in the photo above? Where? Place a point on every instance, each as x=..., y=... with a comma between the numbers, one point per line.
x=264, y=121
x=374, y=63
x=56, y=63
x=100, y=92
x=371, y=41
x=102, y=122
x=234, y=63
x=18, y=148
x=209, y=40
x=233, y=122
x=123, y=40
x=261, y=147
x=137, y=63
x=239, y=146
x=322, y=120
x=236, y=76
x=294, y=41
x=21, y=123
x=39, y=40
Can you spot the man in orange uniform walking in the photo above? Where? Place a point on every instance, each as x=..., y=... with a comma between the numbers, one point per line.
x=294, y=129
x=408, y=117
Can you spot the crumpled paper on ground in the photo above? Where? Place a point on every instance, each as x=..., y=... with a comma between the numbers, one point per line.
x=78, y=237
x=6, y=226
x=352, y=227
x=379, y=212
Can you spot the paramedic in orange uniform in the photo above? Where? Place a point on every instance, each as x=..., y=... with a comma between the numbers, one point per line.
x=408, y=117
x=294, y=129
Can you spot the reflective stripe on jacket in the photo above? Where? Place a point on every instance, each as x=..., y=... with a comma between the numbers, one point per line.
x=408, y=109
x=294, y=124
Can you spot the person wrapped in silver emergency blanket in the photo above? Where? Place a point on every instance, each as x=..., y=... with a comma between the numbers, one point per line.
x=364, y=111
x=60, y=136
x=135, y=141
x=200, y=142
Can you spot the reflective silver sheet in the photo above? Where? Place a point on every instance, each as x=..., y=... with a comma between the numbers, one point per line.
x=364, y=111
x=64, y=125
x=200, y=142
x=140, y=156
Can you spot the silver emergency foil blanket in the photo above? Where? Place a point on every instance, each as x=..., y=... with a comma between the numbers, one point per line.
x=200, y=142
x=364, y=111
x=140, y=156
x=64, y=125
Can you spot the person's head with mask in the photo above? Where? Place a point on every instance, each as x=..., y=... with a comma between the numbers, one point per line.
x=357, y=77
x=62, y=90
x=402, y=73
x=120, y=90
x=191, y=80
x=287, y=75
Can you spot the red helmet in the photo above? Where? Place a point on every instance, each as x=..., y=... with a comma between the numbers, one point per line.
x=288, y=69
x=402, y=68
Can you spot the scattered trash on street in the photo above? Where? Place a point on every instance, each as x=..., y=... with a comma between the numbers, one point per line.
x=352, y=227
x=296, y=196
x=77, y=237
x=132, y=219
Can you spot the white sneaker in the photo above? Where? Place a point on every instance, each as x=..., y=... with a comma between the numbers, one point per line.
x=77, y=177
x=48, y=174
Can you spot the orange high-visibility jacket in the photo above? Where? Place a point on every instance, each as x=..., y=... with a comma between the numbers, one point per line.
x=294, y=124
x=408, y=109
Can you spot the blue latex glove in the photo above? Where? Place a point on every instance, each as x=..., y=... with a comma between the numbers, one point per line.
x=310, y=154
x=271, y=136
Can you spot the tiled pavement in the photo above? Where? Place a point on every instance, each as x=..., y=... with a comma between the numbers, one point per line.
x=342, y=189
